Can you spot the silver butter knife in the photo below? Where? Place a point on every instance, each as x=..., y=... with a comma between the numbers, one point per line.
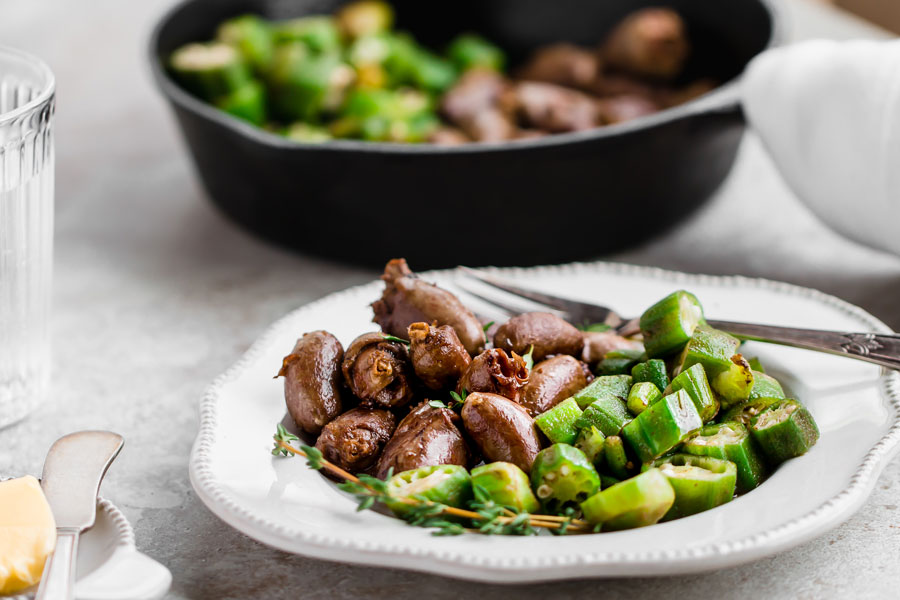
x=73, y=470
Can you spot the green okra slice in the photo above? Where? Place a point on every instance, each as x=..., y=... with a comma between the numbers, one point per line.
x=693, y=381
x=562, y=476
x=641, y=396
x=784, y=430
x=728, y=372
x=411, y=64
x=366, y=17
x=507, y=485
x=745, y=411
x=607, y=413
x=617, y=385
x=252, y=36
x=468, y=51
x=318, y=33
x=371, y=49
x=620, y=362
x=756, y=365
x=654, y=371
x=636, y=502
x=304, y=132
x=210, y=70
x=616, y=459
x=444, y=484
x=735, y=384
x=247, y=102
x=700, y=483
x=558, y=423
x=765, y=386
x=731, y=441
x=391, y=104
x=669, y=324
x=664, y=425
x=608, y=481
x=302, y=86
x=590, y=440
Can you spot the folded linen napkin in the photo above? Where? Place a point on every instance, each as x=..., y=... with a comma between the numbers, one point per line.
x=829, y=114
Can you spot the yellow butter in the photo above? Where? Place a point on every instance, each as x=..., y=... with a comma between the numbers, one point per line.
x=27, y=533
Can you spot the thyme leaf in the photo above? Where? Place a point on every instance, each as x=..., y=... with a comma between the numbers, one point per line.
x=282, y=435
x=394, y=338
x=529, y=358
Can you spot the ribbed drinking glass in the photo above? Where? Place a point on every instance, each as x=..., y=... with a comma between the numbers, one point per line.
x=26, y=231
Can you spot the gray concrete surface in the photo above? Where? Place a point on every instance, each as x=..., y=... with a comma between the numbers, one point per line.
x=156, y=294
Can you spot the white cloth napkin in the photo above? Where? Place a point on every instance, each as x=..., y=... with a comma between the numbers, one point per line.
x=829, y=114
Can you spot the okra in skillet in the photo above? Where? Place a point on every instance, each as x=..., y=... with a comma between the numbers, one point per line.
x=351, y=75
x=516, y=433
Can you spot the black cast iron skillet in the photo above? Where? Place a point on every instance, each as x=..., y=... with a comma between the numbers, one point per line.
x=546, y=200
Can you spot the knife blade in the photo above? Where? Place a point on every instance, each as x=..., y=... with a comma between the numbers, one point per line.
x=73, y=470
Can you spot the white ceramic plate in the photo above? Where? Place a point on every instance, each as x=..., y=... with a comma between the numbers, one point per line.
x=109, y=567
x=282, y=503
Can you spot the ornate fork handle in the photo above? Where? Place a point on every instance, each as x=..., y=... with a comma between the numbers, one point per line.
x=879, y=348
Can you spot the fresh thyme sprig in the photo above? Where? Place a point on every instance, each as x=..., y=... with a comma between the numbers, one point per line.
x=394, y=338
x=529, y=358
x=485, y=328
x=456, y=401
x=487, y=517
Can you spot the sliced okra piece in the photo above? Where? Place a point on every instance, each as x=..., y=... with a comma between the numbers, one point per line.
x=620, y=362
x=765, y=386
x=693, y=381
x=247, y=102
x=608, y=413
x=468, y=51
x=558, y=423
x=711, y=348
x=664, y=425
x=371, y=50
x=784, y=430
x=641, y=396
x=700, y=483
x=616, y=459
x=252, y=36
x=409, y=63
x=392, y=104
x=507, y=485
x=735, y=384
x=607, y=481
x=562, y=476
x=636, y=502
x=617, y=385
x=304, y=132
x=745, y=411
x=590, y=440
x=669, y=324
x=444, y=484
x=731, y=441
x=728, y=372
x=210, y=70
x=318, y=33
x=302, y=87
x=654, y=371
x=365, y=17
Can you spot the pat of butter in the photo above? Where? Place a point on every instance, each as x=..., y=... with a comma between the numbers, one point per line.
x=27, y=533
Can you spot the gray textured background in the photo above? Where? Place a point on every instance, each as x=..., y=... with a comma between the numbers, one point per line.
x=156, y=294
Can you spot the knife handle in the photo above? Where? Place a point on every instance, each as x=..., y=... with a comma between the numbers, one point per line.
x=58, y=580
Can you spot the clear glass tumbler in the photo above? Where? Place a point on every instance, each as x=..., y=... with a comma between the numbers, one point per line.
x=26, y=231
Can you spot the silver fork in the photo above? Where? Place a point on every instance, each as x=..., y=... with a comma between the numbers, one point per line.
x=880, y=348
